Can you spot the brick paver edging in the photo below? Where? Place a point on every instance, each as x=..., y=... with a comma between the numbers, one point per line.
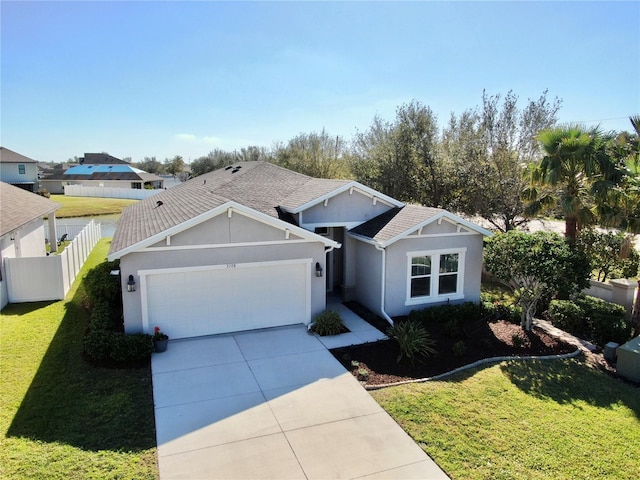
x=484, y=361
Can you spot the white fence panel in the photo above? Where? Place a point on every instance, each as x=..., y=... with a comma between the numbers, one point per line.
x=109, y=192
x=34, y=279
x=72, y=231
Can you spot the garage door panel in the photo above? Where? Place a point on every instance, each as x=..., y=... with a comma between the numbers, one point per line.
x=205, y=302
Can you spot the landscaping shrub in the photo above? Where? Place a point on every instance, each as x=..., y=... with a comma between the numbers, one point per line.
x=413, y=340
x=117, y=349
x=459, y=348
x=591, y=318
x=328, y=322
x=97, y=345
x=568, y=316
x=453, y=327
x=100, y=285
x=468, y=311
x=605, y=320
x=103, y=317
x=126, y=349
x=502, y=311
x=105, y=343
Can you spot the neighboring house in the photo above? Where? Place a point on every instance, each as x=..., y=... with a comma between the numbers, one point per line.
x=18, y=170
x=256, y=245
x=22, y=228
x=100, y=170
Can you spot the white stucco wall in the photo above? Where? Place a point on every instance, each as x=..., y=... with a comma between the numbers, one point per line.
x=186, y=251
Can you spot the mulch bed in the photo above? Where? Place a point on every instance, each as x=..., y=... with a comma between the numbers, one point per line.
x=482, y=339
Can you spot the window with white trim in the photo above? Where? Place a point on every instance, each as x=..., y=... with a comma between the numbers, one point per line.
x=22, y=169
x=435, y=276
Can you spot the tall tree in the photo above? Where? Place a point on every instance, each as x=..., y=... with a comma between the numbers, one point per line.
x=491, y=147
x=150, y=165
x=318, y=155
x=212, y=161
x=622, y=208
x=576, y=174
x=401, y=158
x=174, y=166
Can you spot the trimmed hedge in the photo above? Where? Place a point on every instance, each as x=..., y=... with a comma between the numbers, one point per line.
x=105, y=342
x=591, y=318
x=454, y=317
x=118, y=349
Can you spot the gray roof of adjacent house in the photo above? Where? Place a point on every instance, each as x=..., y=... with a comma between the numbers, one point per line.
x=9, y=156
x=102, y=172
x=19, y=207
x=100, y=159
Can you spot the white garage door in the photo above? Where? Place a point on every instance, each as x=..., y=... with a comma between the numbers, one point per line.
x=194, y=302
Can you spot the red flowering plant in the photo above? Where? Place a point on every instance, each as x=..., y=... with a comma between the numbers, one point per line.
x=158, y=335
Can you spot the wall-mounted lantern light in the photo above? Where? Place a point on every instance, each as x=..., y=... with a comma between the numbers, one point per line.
x=318, y=269
x=131, y=284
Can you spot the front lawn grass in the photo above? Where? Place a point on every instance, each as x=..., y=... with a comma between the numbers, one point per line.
x=59, y=416
x=88, y=206
x=524, y=420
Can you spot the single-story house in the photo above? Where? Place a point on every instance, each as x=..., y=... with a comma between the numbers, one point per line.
x=18, y=170
x=22, y=228
x=100, y=170
x=255, y=245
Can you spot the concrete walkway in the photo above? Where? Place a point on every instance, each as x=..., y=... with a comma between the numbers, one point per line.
x=274, y=404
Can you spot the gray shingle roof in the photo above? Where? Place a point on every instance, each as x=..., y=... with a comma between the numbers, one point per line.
x=19, y=207
x=394, y=222
x=9, y=156
x=100, y=159
x=258, y=185
x=314, y=188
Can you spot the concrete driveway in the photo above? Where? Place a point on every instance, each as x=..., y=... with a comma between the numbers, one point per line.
x=272, y=404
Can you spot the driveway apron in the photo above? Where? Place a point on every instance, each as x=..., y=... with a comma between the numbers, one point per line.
x=272, y=404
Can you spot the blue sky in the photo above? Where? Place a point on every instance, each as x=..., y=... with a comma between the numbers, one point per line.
x=182, y=78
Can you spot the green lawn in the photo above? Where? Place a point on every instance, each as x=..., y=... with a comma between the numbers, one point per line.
x=59, y=416
x=86, y=206
x=524, y=420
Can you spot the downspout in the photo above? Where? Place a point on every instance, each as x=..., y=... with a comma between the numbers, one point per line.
x=382, y=285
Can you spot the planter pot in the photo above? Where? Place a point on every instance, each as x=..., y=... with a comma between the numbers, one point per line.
x=160, y=345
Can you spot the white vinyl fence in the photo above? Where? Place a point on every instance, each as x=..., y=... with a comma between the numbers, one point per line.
x=109, y=192
x=35, y=279
x=72, y=231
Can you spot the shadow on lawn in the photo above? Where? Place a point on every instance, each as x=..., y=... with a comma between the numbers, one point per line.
x=566, y=382
x=72, y=402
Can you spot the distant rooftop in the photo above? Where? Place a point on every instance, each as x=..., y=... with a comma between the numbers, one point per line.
x=89, y=169
x=100, y=159
x=9, y=156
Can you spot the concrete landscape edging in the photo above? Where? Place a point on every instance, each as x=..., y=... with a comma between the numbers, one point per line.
x=478, y=363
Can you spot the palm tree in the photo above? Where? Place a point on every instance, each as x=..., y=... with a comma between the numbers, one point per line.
x=622, y=209
x=575, y=174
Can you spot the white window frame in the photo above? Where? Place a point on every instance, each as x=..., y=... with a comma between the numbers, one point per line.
x=435, y=276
